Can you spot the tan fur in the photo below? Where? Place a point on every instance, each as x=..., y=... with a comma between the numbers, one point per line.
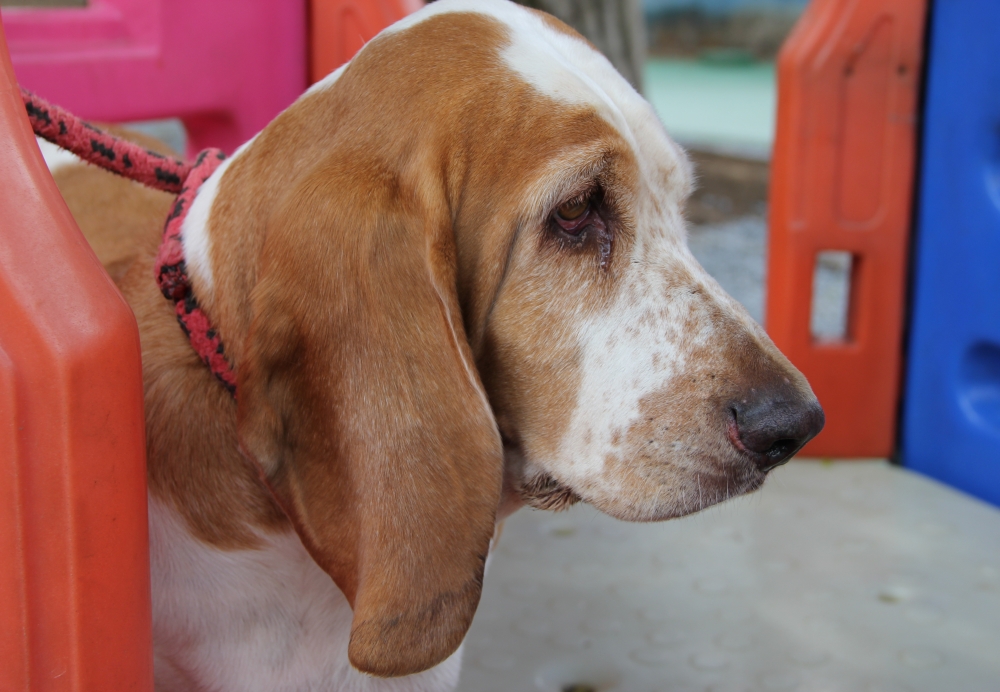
x=113, y=211
x=363, y=203
x=403, y=321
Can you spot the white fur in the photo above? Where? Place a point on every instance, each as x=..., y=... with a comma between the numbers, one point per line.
x=542, y=57
x=267, y=620
x=633, y=350
x=195, y=237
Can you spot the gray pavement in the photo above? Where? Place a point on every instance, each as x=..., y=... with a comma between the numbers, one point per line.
x=735, y=253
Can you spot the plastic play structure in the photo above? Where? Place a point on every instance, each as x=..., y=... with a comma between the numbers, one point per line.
x=841, y=180
x=224, y=67
x=951, y=410
x=74, y=582
x=917, y=373
x=75, y=610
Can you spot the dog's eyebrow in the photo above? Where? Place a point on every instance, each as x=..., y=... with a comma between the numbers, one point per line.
x=564, y=179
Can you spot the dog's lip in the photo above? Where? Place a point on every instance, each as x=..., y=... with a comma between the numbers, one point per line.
x=716, y=469
x=515, y=465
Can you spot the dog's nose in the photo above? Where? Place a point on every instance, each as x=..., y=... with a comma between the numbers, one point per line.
x=773, y=423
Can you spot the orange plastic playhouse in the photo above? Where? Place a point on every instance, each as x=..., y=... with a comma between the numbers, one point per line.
x=74, y=581
x=842, y=180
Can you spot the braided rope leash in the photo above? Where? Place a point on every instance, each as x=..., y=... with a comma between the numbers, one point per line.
x=170, y=271
x=160, y=173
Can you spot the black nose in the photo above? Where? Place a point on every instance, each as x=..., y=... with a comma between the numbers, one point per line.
x=772, y=424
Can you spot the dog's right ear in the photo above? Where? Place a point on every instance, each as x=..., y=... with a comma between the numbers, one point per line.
x=359, y=400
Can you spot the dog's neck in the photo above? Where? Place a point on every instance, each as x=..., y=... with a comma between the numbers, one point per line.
x=194, y=463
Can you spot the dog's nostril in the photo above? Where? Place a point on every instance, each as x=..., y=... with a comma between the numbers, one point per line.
x=782, y=449
x=773, y=426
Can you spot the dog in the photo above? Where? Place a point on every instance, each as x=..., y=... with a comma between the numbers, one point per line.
x=453, y=280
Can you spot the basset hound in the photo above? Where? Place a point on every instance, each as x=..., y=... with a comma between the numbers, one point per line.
x=453, y=280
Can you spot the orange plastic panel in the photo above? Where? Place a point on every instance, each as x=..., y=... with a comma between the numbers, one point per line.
x=339, y=28
x=842, y=179
x=74, y=554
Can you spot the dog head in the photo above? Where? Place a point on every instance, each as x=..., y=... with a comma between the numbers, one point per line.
x=457, y=266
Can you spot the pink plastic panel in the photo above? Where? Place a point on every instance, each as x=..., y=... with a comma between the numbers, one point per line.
x=225, y=67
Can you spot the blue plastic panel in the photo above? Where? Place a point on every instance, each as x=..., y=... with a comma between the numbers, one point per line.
x=951, y=420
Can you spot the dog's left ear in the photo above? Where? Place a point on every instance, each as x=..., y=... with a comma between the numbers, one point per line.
x=359, y=399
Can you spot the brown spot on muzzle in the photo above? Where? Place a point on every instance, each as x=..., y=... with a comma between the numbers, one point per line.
x=678, y=456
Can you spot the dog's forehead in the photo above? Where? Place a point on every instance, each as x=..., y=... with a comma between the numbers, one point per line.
x=561, y=65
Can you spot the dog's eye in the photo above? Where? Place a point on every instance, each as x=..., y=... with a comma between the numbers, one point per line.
x=573, y=209
x=571, y=215
x=584, y=222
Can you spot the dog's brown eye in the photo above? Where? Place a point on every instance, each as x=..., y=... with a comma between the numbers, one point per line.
x=573, y=216
x=573, y=209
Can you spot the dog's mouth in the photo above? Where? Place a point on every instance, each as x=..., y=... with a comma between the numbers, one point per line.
x=542, y=491
x=526, y=484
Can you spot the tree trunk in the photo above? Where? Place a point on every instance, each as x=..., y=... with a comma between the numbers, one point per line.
x=616, y=27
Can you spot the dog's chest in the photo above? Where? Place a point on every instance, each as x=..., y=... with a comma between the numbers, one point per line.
x=268, y=620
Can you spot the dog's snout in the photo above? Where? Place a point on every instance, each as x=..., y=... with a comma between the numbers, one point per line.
x=773, y=424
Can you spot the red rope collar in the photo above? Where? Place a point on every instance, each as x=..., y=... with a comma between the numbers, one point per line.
x=161, y=173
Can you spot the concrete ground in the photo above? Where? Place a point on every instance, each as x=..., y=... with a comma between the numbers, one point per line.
x=835, y=577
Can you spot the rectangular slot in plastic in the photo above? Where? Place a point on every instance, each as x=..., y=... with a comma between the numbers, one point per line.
x=829, y=320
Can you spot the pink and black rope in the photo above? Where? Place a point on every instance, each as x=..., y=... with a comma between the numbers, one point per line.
x=162, y=173
x=95, y=146
x=170, y=271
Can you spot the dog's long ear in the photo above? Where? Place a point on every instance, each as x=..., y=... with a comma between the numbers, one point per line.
x=359, y=399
